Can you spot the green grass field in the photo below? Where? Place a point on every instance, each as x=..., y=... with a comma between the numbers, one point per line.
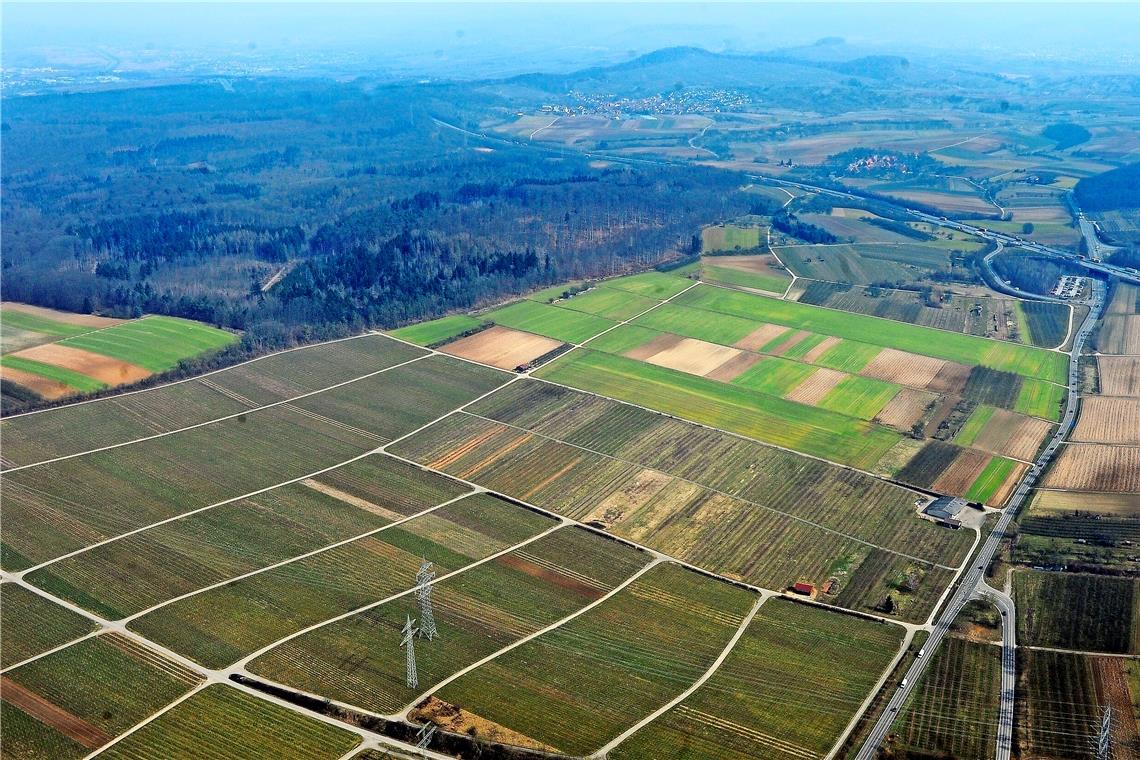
x=1040, y=399
x=990, y=479
x=861, y=397
x=974, y=425
x=71, y=378
x=22, y=320
x=437, y=330
x=767, y=282
x=848, y=356
x=819, y=432
x=967, y=349
x=581, y=684
x=219, y=626
x=693, y=323
x=658, y=285
x=220, y=718
x=154, y=343
x=609, y=303
x=729, y=237
x=773, y=375
x=551, y=321
x=476, y=613
x=793, y=661
x=108, y=682
x=31, y=625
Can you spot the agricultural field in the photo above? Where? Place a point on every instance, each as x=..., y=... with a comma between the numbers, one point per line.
x=564, y=325
x=1119, y=334
x=1097, y=613
x=106, y=422
x=1078, y=538
x=33, y=625
x=1095, y=467
x=1049, y=502
x=731, y=237
x=626, y=469
x=609, y=303
x=578, y=686
x=792, y=660
x=477, y=613
x=220, y=626
x=501, y=347
x=55, y=354
x=220, y=717
x=761, y=272
x=1119, y=375
x=954, y=711
x=1061, y=700
x=1001, y=432
x=437, y=331
x=75, y=700
x=1108, y=420
x=212, y=546
x=55, y=508
x=1038, y=324
x=965, y=349
x=864, y=263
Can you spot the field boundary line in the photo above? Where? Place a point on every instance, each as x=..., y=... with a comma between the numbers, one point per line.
x=300, y=557
x=889, y=321
x=600, y=754
x=188, y=379
x=658, y=553
x=216, y=420
x=149, y=719
x=239, y=666
x=772, y=251
x=714, y=490
x=870, y=698
x=653, y=562
x=53, y=650
x=378, y=450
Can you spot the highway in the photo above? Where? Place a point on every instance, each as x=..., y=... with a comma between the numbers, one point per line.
x=973, y=580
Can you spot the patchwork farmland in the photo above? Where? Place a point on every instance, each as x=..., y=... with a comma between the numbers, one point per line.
x=55, y=354
x=615, y=486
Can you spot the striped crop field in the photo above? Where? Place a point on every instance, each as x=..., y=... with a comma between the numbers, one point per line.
x=33, y=625
x=576, y=687
x=209, y=547
x=105, y=422
x=476, y=613
x=218, y=720
x=792, y=661
x=75, y=700
x=221, y=625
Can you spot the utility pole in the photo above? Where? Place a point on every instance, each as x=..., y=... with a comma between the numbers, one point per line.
x=409, y=642
x=423, y=592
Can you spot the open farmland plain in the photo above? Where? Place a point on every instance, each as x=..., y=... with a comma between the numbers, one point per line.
x=1093, y=613
x=608, y=523
x=791, y=661
x=955, y=709
x=56, y=354
x=77, y=699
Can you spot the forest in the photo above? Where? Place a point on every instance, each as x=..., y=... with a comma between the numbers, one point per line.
x=300, y=209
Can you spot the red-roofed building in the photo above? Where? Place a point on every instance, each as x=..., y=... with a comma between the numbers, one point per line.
x=803, y=588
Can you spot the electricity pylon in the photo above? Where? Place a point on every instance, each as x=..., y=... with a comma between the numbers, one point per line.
x=423, y=592
x=409, y=642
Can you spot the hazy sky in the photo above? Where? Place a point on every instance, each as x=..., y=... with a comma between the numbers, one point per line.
x=564, y=32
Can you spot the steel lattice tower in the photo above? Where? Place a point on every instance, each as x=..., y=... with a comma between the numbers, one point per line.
x=1102, y=743
x=423, y=592
x=409, y=642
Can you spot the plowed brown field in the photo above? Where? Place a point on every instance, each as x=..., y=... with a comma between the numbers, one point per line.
x=905, y=408
x=501, y=347
x=816, y=386
x=1119, y=375
x=1105, y=419
x=102, y=368
x=760, y=337
x=1096, y=467
x=904, y=368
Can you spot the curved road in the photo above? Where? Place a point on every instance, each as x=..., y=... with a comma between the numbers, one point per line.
x=973, y=581
x=1008, y=667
